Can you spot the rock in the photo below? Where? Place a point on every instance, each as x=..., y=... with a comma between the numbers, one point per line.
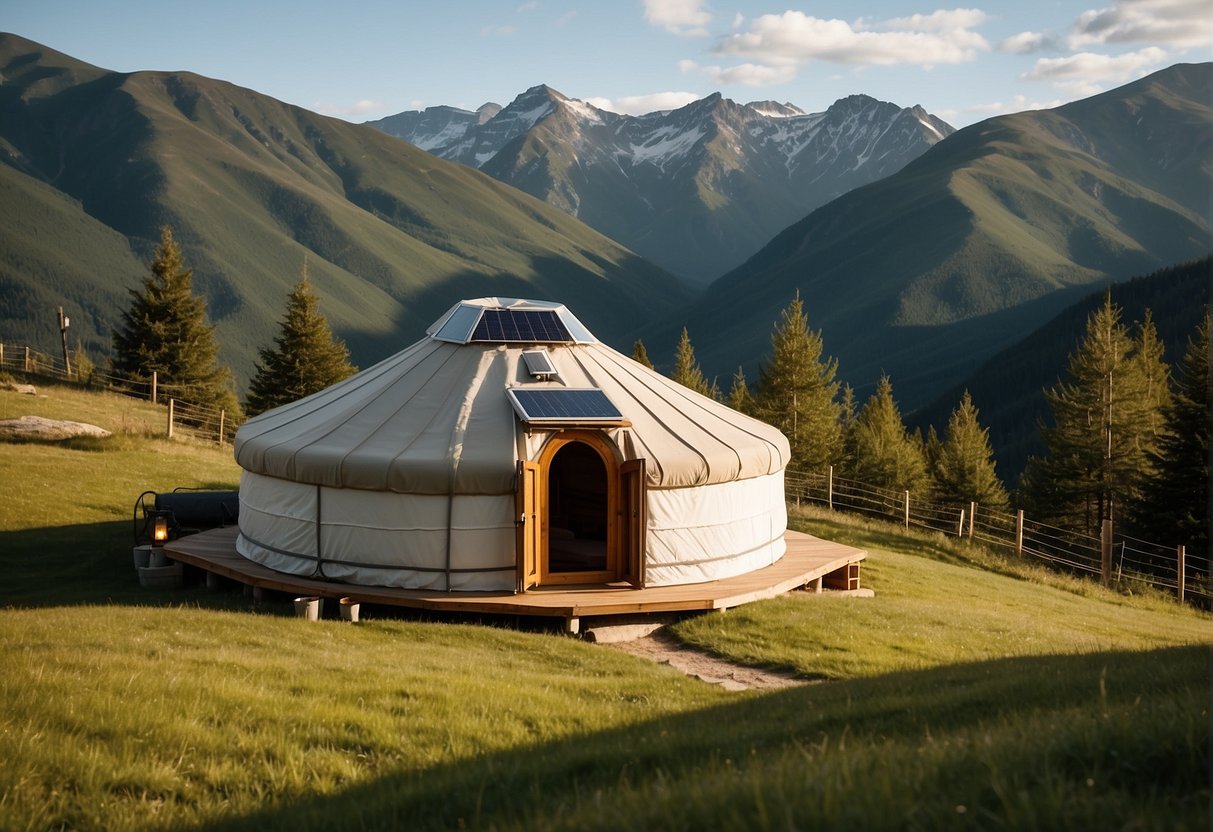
x=37, y=427
x=25, y=389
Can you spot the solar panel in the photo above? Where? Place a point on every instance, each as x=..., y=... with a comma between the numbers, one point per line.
x=528, y=326
x=563, y=404
x=538, y=364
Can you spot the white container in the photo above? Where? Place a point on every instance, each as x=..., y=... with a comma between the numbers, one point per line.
x=161, y=577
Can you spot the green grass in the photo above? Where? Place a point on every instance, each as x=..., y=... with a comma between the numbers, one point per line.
x=128, y=709
x=938, y=602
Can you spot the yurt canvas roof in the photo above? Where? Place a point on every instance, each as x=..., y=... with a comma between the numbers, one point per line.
x=449, y=413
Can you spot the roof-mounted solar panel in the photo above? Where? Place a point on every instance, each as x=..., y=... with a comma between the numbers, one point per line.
x=563, y=405
x=526, y=326
x=538, y=364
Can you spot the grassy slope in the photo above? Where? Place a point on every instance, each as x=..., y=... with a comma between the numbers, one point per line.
x=393, y=236
x=139, y=710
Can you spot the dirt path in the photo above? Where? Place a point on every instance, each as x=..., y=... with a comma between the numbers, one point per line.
x=665, y=649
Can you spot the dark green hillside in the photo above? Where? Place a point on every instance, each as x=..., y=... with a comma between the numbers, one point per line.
x=95, y=162
x=1008, y=389
x=984, y=237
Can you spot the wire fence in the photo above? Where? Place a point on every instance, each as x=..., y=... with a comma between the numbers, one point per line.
x=195, y=420
x=1115, y=558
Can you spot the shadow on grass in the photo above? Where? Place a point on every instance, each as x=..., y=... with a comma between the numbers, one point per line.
x=1109, y=740
x=89, y=563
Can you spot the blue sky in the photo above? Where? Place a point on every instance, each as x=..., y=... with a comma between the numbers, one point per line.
x=363, y=60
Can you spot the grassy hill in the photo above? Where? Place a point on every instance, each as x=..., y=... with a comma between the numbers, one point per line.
x=1008, y=389
x=95, y=162
x=986, y=236
x=960, y=695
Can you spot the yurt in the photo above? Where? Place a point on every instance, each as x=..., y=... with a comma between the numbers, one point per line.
x=506, y=450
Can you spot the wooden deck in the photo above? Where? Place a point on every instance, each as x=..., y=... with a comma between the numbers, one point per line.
x=809, y=561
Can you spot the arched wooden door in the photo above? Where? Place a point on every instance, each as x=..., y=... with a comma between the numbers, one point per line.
x=581, y=517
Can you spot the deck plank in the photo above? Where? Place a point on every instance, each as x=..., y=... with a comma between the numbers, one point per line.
x=807, y=559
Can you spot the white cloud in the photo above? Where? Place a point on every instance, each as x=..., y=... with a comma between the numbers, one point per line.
x=501, y=30
x=686, y=65
x=1016, y=105
x=752, y=75
x=1025, y=43
x=682, y=17
x=356, y=109
x=638, y=105
x=1179, y=24
x=529, y=6
x=921, y=40
x=1084, y=72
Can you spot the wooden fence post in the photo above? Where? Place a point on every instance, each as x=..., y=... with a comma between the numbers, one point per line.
x=829, y=482
x=1180, y=572
x=1019, y=533
x=1105, y=551
x=222, y=414
x=1, y=355
x=960, y=527
x=972, y=514
x=170, y=418
x=27, y=359
x=907, y=513
x=154, y=382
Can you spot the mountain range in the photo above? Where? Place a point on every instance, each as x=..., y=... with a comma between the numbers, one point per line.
x=696, y=190
x=94, y=162
x=930, y=271
x=924, y=274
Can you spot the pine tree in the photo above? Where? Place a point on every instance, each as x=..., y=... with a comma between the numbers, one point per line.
x=885, y=455
x=739, y=394
x=1103, y=429
x=962, y=465
x=1176, y=498
x=640, y=354
x=305, y=359
x=165, y=331
x=686, y=368
x=797, y=391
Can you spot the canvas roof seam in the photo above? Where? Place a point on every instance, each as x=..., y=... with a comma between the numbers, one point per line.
x=678, y=388
x=339, y=467
x=707, y=467
x=456, y=351
x=651, y=454
x=382, y=367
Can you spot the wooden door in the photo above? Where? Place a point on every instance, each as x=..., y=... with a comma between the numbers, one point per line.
x=529, y=534
x=635, y=521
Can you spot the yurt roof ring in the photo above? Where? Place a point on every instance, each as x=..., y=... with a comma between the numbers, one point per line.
x=510, y=321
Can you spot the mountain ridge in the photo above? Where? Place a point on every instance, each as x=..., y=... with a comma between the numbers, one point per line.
x=696, y=189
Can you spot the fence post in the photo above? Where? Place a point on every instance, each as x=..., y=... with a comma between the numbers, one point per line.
x=27, y=359
x=972, y=514
x=1019, y=533
x=1180, y=572
x=829, y=481
x=222, y=414
x=907, y=513
x=960, y=527
x=170, y=418
x=1105, y=551
x=1, y=354
x=154, y=381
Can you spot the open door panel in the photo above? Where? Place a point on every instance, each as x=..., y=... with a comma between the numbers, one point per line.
x=529, y=530
x=635, y=520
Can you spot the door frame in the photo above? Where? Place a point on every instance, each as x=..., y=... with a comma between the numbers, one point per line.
x=625, y=515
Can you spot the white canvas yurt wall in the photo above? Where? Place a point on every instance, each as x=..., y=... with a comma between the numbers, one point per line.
x=405, y=474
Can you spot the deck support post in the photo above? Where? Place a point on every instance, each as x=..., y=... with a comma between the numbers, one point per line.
x=572, y=625
x=213, y=581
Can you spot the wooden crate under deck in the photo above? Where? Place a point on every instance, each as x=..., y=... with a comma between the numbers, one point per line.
x=809, y=560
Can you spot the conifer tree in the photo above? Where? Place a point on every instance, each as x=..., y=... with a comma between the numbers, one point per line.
x=885, y=455
x=686, y=368
x=640, y=354
x=797, y=391
x=165, y=331
x=305, y=358
x=1176, y=498
x=739, y=394
x=962, y=465
x=1103, y=429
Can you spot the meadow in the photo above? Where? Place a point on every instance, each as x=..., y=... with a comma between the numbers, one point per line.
x=970, y=692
